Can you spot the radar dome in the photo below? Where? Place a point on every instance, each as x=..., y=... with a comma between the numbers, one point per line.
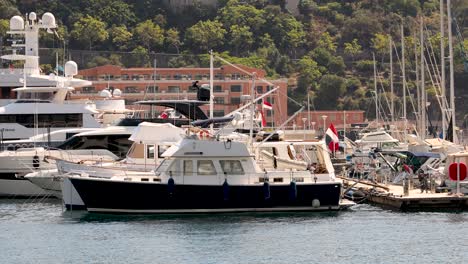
x=117, y=93
x=71, y=68
x=16, y=23
x=48, y=20
x=105, y=93
x=32, y=16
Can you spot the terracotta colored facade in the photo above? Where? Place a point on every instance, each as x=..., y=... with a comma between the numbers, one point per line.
x=174, y=83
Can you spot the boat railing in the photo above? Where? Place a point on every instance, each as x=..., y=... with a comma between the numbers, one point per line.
x=275, y=177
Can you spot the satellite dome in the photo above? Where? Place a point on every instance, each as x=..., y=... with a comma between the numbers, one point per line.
x=71, y=68
x=32, y=16
x=16, y=23
x=117, y=93
x=48, y=20
x=105, y=93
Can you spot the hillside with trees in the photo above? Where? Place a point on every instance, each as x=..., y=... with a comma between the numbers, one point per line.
x=326, y=49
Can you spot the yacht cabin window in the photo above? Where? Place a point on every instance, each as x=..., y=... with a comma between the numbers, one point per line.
x=150, y=151
x=205, y=167
x=162, y=149
x=188, y=167
x=232, y=167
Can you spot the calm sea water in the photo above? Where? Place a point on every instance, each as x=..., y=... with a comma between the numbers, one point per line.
x=40, y=232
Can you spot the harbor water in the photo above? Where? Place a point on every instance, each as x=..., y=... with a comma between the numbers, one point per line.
x=41, y=232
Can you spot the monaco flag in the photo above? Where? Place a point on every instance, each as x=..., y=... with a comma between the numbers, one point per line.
x=267, y=105
x=331, y=138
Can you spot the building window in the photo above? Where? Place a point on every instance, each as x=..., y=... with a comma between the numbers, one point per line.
x=146, y=76
x=131, y=89
x=198, y=76
x=135, y=77
x=173, y=89
x=269, y=112
x=217, y=89
x=152, y=89
x=88, y=90
x=125, y=77
x=177, y=77
x=235, y=100
x=236, y=76
x=236, y=88
x=156, y=76
x=269, y=124
x=259, y=89
x=219, y=100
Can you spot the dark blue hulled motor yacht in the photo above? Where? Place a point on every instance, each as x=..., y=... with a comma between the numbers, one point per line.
x=207, y=175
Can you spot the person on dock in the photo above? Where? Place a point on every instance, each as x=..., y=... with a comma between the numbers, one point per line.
x=423, y=183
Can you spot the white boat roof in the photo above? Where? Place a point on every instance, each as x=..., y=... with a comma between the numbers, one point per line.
x=42, y=89
x=111, y=130
x=377, y=137
x=207, y=149
x=152, y=133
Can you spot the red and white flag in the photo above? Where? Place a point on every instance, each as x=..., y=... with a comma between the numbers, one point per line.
x=267, y=105
x=331, y=138
x=163, y=115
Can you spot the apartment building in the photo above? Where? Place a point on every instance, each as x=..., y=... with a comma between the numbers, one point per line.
x=230, y=84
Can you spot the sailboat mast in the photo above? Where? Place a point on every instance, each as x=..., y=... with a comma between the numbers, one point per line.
x=211, y=91
x=392, y=106
x=442, y=70
x=403, y=72
x=452, y=81
x=423, y=89
x=376, y=93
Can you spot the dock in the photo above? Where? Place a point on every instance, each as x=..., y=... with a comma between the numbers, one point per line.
x=392, y=196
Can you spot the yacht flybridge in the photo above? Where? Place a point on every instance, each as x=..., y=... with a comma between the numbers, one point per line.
x=25, y=36
x=41, y=106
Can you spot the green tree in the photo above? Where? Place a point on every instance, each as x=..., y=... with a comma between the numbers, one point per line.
x=241, y=14
x=173, y=38
x=294, y=32
x=89, y=30
x=241, y=38
x=327, y=42
x=149, y=35
x=113, y=12
x=362, y=26
x=380, y=43
x=330, y=89
x=120, y=37
x=140, y=58
x=205, y=35
x=352, y=48
x=309, y=74
x=4, y=27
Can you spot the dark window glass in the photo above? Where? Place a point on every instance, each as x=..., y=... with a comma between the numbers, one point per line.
x=235, y=100
x=236, y=88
